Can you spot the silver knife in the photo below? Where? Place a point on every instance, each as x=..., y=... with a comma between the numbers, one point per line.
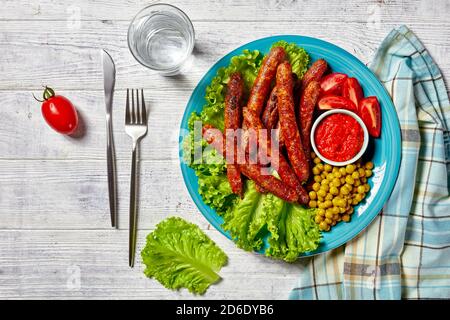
x=109, y=78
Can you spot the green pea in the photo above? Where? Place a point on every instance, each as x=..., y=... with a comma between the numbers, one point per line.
x=318, y=219
x=369, y=165
x=336, y=182
x=350, y=168
x=349, y=180
x=324, y=226
x=334, y=190
x=329, y=214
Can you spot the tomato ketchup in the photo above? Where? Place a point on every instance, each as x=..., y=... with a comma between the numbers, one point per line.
x=339, y=137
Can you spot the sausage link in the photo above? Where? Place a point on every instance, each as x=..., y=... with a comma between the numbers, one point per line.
x=288, y=123
x=253, y=171
x=269, y=182
x=270, y=113
x=308, y=102
x=263, y=145
x=297, y=89
x=233, y=119
x=214, y=138
x=260, y=89
x=266, y=74
x=244, y=144
x=280, y=137
x=279, y=162
x=315, y=72
x=260, y=189
x=288, y=176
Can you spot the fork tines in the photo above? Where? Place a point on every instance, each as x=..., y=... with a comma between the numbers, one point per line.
x=138, y=113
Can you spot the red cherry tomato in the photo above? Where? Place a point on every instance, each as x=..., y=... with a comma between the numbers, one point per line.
x=59, y=112
x=332, y=84
x=351, y=89
x=370, y=113
x=336, y=102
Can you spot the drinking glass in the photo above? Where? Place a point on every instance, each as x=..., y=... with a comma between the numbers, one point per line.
x=161, y=37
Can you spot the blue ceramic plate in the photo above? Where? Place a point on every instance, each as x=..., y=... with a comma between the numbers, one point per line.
x=385, y=152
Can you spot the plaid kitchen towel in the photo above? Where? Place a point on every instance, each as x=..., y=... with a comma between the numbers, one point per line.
x=405, y=252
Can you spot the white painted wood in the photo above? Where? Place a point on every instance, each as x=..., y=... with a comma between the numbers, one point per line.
x=53, y=193
x=41, y=52
x=40, y=264
x=73, y=194
x=231, y=10
x=22, y=122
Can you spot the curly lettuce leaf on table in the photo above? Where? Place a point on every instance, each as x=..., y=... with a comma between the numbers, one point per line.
x=289, y=228
x=179, y=255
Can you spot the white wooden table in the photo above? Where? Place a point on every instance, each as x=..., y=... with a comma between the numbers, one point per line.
x=55, y=239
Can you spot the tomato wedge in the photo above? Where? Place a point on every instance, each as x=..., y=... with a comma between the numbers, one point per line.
x=351, y=89
x=370, y=113
x=332, y=84
x=336, y=102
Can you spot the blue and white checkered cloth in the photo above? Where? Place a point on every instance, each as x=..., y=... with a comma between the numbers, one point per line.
x=405, y=252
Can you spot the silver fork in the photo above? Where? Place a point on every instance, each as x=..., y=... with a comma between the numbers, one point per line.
x=136, y=128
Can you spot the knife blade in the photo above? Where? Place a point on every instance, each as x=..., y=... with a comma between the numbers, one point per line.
x=109, y=79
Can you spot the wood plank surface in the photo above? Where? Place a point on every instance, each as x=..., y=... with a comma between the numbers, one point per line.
x=70, y=58
x=54, y=220
x=407, y=11
x=40, y=263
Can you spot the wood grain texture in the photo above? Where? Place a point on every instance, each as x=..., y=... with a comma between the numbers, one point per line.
x=22, y=122
x=53, y=196
x=43, y=263
x=73, y=194
x=70, y=58
x=406, y=11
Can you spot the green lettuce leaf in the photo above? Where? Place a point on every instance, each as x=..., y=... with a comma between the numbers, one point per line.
x=179, y=255
x=247, y=219
x=298, y=58
x=292, y=229
x=213, y=185
x=247, y=64
x=216, y=193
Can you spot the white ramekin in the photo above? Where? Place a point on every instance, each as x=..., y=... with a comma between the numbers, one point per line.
x=354, y=116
